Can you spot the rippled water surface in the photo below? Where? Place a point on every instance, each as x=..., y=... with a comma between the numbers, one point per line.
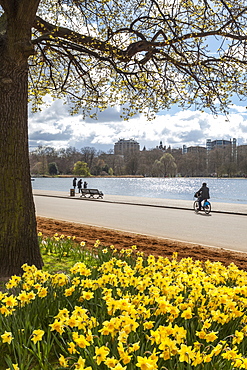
x=221, y=190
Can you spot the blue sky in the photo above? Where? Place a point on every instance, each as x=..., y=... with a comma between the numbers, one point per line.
x=55, y=127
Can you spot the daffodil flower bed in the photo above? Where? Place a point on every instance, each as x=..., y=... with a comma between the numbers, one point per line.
x=126, y=312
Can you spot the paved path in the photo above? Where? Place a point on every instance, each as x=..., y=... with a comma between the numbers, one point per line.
x=153, y=202
x=225, y=227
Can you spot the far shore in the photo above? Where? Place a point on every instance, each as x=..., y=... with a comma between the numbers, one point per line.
x=89, y=177
x=137, y=177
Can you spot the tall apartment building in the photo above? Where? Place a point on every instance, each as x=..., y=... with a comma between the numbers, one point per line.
x=123, y=146
x=212, y=144
x=220, y=144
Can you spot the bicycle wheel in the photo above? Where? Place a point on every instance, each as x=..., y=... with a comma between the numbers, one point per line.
x=196, y=206
x=207, y=208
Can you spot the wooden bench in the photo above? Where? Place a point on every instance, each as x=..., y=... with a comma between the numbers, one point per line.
x=91, y=193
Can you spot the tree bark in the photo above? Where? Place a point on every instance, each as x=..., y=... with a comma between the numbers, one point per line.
x=18, y=232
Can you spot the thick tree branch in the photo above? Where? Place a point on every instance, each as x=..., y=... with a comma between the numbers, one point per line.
x=49, y=30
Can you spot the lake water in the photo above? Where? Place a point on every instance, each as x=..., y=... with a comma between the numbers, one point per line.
x=221, y=190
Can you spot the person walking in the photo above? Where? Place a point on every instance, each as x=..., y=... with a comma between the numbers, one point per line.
x=85, y=185
x=79, y=185
x=74, y=182
x=202, y=194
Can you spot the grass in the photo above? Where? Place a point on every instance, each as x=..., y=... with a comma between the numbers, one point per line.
x=60, y=253
x=108, y=309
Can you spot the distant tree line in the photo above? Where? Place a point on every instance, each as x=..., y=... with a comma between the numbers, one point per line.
x=152, y=163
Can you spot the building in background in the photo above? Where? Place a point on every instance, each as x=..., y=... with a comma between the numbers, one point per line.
x=185, y=149
x=161, y=146
x=196, y=149
x=220, y=143
x=123, y=147
x=193, y=149
x=212, y=144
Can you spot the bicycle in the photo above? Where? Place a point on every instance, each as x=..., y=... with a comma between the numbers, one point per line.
x=206, y=206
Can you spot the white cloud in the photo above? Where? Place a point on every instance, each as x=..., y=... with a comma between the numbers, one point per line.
x=54, y=126
x=239, y=108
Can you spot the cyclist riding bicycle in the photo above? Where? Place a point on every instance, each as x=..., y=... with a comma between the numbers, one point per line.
x=202, y=194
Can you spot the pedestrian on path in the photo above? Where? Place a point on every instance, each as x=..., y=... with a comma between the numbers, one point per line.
x=74, y=182
x=79, y=185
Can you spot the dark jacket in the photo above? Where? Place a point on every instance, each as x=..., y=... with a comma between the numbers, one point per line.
x=203, y=193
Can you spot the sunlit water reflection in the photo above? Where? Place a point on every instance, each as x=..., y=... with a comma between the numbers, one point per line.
x=221, y=190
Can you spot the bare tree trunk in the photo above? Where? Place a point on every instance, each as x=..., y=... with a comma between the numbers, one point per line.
x=18, y=232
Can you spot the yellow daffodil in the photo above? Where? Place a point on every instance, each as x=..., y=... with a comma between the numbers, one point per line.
x=42, y=292
x=87, y=295
x=13, y=282
x=119, y=367
x=37, y=335
x=238, y=337
x=145, y=363
x=72, y=348
x=211, y=337
x=63, y=361
x=80, y=364
x=186, y=354
x=10, y=301
x=57, y=326
x=81, y=341
x=15, y=367
x=7, y=337
x=111, y=362
x=101, y=354
x=187, y=314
